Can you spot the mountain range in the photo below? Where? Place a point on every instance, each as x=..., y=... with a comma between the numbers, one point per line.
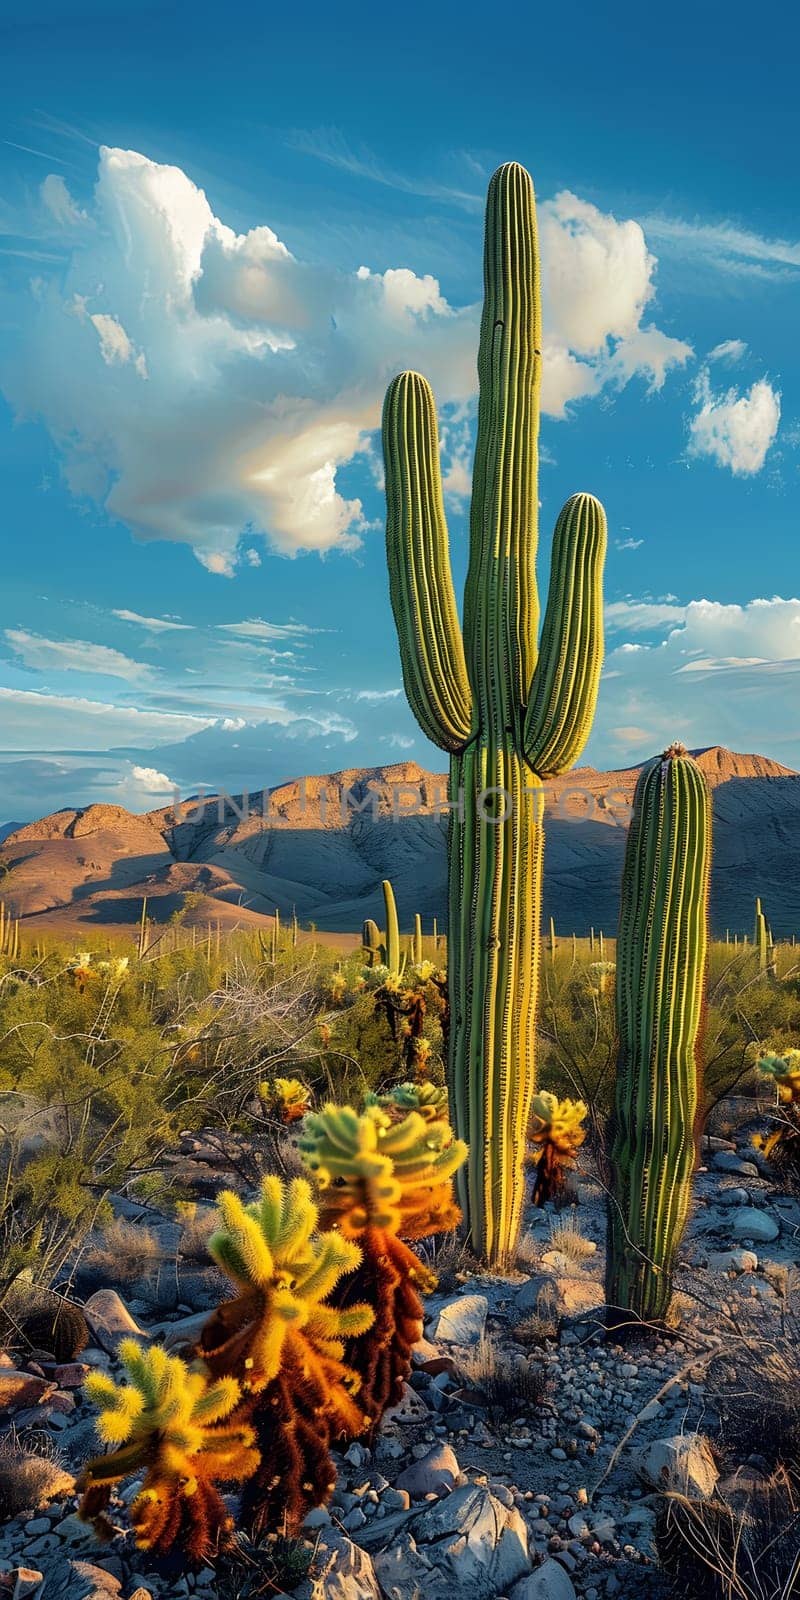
x=323, y=844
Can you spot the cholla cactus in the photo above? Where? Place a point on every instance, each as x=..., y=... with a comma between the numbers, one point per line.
x=115, y=970
x=286, y=1343
x=167, y=1422
x=380, y=1179
x=81, y=970
x=785, y=1070
x=286, y=1098
x=556, y=1131
x=427, y=1098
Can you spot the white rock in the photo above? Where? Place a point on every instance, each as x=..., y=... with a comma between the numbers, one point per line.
x=110, y=1320
x=436, y=1473
x=404, y=1573
x=683, y=1464
x=475, y=1541
x=733, y=1260
x=548, y=1582
x=341, y=1571
x=463, y=1319
x=748, y=1223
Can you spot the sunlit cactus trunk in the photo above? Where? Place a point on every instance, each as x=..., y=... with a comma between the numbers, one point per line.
x=661, y=971
x=508, y=712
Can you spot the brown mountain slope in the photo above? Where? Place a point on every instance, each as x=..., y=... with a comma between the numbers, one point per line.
x=323, y=844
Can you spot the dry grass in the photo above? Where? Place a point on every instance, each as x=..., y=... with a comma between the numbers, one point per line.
x=127, y=1251
x=540, y=1325
x=528, y=1250
x=449, y=1258
x=199, y=1222
x=566, y=1237
x=744, y=1547
x=509, y=1383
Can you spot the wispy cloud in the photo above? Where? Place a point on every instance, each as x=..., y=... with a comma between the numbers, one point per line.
x=153, y=624
x=74, y=655
x=725, y=246
x=330, y=146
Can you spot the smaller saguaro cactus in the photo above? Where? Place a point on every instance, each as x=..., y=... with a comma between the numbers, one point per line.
x=374, y=952
x=416, y=947
x=175, y=1427
x=661, y=969
x=383, y=1181
x=762, y=938
x=392, y=959
x=285, y=1341
x=552, y=939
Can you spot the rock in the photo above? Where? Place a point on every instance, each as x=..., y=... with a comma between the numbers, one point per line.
x=733, y=1260
x=19, y=1390
x=184, y=1334
x=463, y=1319
x=748, y=1223
x=341, y=1571
x=405, y=1573
x=478, y=1544
x=569, y=1295
x=71, y=1375
x=409, y=1409
x=548, y=1582
x=683, y=1464
x=27, y=1583
x=728, y=1161
x=733, y=1197
x=437, y=1473
x=90, y=1582
x=110, y=1320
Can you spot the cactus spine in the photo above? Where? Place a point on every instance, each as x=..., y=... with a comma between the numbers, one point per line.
x=661, y=967
x=507, y=719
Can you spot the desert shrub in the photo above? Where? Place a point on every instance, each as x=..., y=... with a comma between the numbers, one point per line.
x=126, y=1251
x=258, y=1567
x=508, y=1383
x=198, y=1224
x=566, y=1236
x=577, y=1036
x=742, y=1547
x=449, y=1260
x=540, y=1325
x=748, y=1014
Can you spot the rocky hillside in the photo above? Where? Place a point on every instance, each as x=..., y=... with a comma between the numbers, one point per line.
x=323, y=844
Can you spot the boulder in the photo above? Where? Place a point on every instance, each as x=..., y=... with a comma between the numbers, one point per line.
x=479, y=1544
x=683, y=1464
x=746, y=1222
x=342, y=1571
x=462, y=1320
x=110, y=1320
x=548, y=1582
x=733, y=1260
x=568, y=1295
x=437, y=1473
x=405, y=1573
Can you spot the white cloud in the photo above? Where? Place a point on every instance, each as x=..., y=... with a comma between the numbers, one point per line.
x=726, y=247
x=731, y=350
x=721, y=674
x=153, y=624
x=152, y=781
x=265, y=374
x=257, y=628
x=628, y=544
x=735, y=430
x=597, y=279
x=37, y=721
x=375, y=695
x=642, y=616
x=74, y=655
x=60, y=203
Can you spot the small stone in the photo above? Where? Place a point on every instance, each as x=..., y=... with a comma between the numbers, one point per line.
x=21, y=1390
x=317, y=1517
x=748, y=1223
x=548, y=1582
x=683, y=1464
x=71, y=1375
x=37, y=1525
x=728, y=1161
x=396, y=1499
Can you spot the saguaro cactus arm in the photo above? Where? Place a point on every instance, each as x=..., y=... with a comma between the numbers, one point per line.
x=420, y=579
x=563, y=692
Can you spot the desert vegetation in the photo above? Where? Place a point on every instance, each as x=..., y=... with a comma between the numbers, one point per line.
x=439, y=1261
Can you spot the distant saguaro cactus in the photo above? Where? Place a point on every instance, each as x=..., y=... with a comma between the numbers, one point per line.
x=661, y=969
x=506, y=718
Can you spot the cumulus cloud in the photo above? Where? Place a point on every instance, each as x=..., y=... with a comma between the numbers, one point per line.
x=598, y=277
x=720, y=674
x=151, y=780
x=74, y=655
x=202, y=384
x=59, y=202
x=735, y=430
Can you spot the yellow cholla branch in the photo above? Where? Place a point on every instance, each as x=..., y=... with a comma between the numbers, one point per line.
x=167, y=1421
x=557, y=1133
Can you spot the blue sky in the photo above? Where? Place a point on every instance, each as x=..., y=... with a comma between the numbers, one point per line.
x=221, y=232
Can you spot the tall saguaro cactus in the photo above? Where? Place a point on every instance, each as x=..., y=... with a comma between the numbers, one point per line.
x=509, y=714
x=661, y=969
